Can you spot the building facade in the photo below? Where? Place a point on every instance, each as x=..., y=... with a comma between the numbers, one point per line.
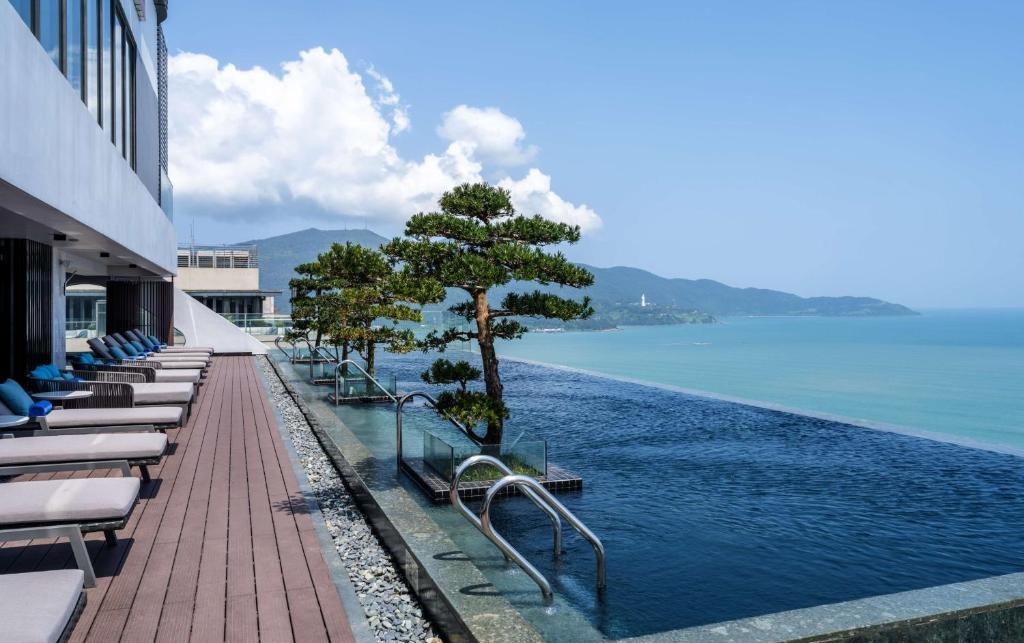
x=84, y=194
x=225, y=279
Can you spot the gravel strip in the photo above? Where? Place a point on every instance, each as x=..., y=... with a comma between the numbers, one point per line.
x=393, y=612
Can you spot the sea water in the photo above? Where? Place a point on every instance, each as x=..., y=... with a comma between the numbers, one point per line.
x=957, y=374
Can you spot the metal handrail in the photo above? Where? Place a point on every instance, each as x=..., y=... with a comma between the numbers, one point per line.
x=338, y=374
x=524, y=483
x=277, y=343
x=467, y=513
x=398, y=421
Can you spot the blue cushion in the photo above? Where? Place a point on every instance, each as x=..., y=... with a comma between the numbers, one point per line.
x=40, y=373
x=52, y=370
x=42, y=407
x=128, y=348
x=118, y=353
x=139, y=347
x=86, y=358
x=157, y=341
x=15, y=397
x=69, y=377
x=146, y=341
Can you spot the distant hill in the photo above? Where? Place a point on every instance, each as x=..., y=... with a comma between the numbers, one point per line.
x=278, y=256
x=617, y=288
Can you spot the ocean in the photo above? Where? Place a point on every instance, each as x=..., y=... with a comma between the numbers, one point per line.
x=951, y=374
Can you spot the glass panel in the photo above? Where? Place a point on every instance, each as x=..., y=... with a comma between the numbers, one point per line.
x=73, y=38
x=49, y=28
x=106, y=67
x=24, y=9
x=117, y=80
x=437, y=454
x=129, y=106
x=93, y=52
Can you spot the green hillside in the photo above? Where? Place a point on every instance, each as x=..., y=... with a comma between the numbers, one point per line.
x=616, y=291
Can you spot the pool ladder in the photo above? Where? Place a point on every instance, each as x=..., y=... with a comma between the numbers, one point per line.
x=541, y=497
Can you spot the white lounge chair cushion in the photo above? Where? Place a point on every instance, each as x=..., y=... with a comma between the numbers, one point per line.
x=67, y=418
x=80, y=500
x=80, y=448
x=35, y=607
x=187, y=349
x=178, y=375
x=162, y=393
x=170, y=363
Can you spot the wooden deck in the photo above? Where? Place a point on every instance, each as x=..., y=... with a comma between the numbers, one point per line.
x=220, y=548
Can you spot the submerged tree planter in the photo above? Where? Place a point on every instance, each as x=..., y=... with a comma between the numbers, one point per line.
x=355, y=388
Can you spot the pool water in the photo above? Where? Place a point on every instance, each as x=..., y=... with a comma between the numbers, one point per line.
x=712, y=511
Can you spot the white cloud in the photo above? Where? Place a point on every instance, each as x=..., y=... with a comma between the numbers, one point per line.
x=495, y=136
x=532, y=195
x=242, y=138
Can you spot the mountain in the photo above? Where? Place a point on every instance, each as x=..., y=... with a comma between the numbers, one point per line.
x=621, y=285
x=279, y=255
x=615, y=289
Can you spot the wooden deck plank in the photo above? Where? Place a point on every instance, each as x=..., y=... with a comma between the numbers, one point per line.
x=220, y=546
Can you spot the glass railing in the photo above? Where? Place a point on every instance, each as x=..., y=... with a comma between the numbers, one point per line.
x=166, y=194
x=444, y=452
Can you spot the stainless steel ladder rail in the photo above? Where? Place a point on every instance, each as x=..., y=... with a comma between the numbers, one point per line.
x=540, y=497
x=506, y=549
x=337, y=380
x=289, y=356
x=525, y=483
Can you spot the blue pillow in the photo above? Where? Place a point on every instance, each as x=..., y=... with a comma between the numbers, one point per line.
x=128, y=348
x=118, y=353
x=86, y=358
x=139, y=347
x=42, y=407
x=157, y=341
x=15, y=397
x=147, y=342
x=40, y=373
x=53, y=370
x=69, y=377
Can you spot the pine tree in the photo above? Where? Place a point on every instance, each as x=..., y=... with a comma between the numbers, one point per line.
x=477, y=242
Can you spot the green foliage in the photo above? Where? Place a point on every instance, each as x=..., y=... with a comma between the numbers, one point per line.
x=353, y=295
x=477, y=242
x=443, y=371
x=470, y=408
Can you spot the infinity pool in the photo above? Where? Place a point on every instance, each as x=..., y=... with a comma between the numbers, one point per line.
x=712, y=511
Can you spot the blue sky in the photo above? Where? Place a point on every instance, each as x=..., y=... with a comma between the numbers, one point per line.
x=870, y=148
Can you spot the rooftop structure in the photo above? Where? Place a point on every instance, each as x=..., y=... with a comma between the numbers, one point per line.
x=225, y=279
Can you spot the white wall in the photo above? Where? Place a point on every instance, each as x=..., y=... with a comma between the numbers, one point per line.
x=52, y=148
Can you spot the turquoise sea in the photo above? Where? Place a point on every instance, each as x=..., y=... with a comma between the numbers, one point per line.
x=954, y=374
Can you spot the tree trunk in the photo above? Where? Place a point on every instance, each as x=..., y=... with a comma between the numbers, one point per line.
x=344, y=356
x=492, y=379
x=370, y=356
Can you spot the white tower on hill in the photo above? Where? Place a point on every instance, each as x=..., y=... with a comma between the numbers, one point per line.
x=643, y=300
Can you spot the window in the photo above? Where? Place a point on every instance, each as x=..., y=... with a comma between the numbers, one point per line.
x=24, y=9
x=129, y=99
x=117, y=84
x=73, y=38
x=93, y=58
x=49, y=30
x=106, y=68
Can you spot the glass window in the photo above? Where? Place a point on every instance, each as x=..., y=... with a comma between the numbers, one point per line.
x=129, y=102
x=93, y=56
x=106, y=67
x=24, y=9
x=73, y=38
x=117, y=85
x=49, y=29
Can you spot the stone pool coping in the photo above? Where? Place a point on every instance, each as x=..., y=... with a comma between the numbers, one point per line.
x=990, y=609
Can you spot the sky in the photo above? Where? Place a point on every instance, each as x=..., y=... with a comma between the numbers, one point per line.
x=821, y=148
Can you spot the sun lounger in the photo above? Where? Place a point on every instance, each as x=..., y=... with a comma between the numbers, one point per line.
x=160, y=418
x=67, y=508
x=151, y=371
x=102, y=351
x=155, y=344
x=131, y=351
x=41, y=607
x=138, y=449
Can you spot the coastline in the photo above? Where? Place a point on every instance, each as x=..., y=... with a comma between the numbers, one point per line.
x=781, y=408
